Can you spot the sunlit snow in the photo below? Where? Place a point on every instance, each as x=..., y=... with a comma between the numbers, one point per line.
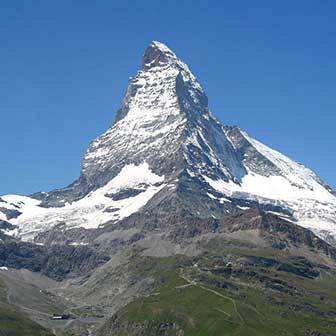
x=90, y=211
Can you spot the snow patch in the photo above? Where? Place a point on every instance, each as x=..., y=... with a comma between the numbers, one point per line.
x=131, y=176
x=93, y=210
x=271, y=187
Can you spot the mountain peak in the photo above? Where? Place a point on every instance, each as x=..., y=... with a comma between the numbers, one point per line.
x=164, y=127
x=157, y=54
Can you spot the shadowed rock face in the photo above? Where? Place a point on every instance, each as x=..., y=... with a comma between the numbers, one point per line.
x=157, y=54
x=57, y=262
x=4, y=225
x=10, y=213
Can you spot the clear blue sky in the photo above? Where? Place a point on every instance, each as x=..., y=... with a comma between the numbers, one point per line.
x=267, y=66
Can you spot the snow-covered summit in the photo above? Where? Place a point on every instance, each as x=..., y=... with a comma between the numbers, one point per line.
x=157, y=54
x=152, y=120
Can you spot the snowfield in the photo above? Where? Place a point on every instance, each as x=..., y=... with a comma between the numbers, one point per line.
x=297, y=188
x=93, y=210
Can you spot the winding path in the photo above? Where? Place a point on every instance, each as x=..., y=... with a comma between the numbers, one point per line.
x=194, y=283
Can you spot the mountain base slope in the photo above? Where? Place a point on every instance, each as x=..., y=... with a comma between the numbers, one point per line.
x=231, y=291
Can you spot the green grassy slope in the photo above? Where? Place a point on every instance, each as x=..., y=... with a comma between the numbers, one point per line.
x=15, y=323
x=243, y=293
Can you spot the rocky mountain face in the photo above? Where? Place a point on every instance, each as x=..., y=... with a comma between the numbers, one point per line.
x=166, y=148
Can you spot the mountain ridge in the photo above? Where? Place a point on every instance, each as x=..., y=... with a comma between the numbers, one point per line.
x=165, y=134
